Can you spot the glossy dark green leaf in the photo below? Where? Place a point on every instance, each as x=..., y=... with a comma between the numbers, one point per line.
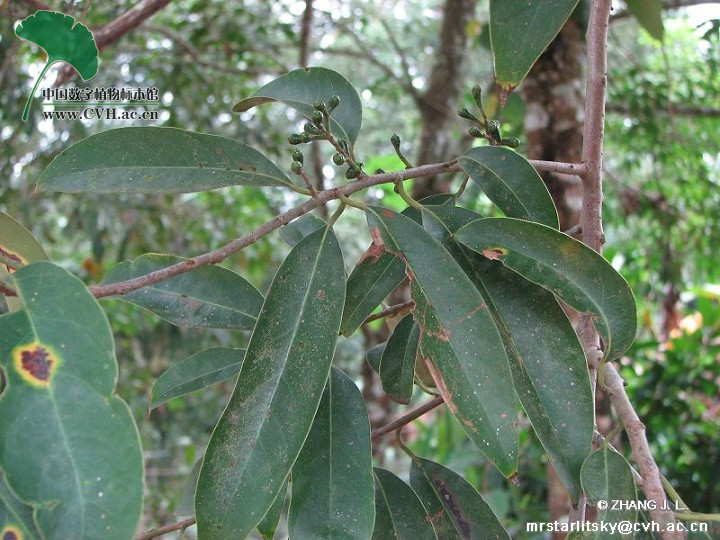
x=607, y=476
x=374, y=356
x=458, y=337
x=511, y=183
x=158, y=160
x=457, y=510
x=397, y=366
x=568, y=268
x=268, y=525
x=299, y=228
x=208, y=296
x=195, y=372
x=520, y=30
x=399, y=514
x=186, y=506
x=16, y=517
x=541, y=345
x=376, y=275
x=69, y=446
x=301, y=88
x=649, y=14
x=332, y=484
x=18, y=244
x=263, y=428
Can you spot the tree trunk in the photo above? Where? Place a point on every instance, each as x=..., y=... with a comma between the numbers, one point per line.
x=445, y=82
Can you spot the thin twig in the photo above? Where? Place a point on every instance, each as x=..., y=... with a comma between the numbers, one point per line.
x=669, y=4
x=407, y=418
x=153, y=533
x=392, y=310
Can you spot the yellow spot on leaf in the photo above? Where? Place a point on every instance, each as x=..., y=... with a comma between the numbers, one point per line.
x=36, y=363
x=10, y=532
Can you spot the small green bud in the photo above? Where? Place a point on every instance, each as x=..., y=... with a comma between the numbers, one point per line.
x=494, y=129
x=317, y=118
x=312, y=130
x=319, y=105
x=477, y=95
x=296, y=167
x=334, y=102
x=352, y=172
x=295, y=138
x=512, y=142
x=476, y=132
x=379, y=171
x=338, y=158
x=297, y=155
x=464, y=113
x=304, y=138
x=395, y=140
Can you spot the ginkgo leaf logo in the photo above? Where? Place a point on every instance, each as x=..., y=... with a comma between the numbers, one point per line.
x=64, y=40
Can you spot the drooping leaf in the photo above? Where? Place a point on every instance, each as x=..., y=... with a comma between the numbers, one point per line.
x=399, y=514
x=195, y=372
x=16, y=517
x=263, y=428
x=186, y=506
x=397, y=366
x=572, y=271
x=376, y=275
x=457, y=510
x=158, y=160
x=374, y=356
x=208, y=296
x=458, y=337
x=332, y=495
x=301, y=88
x=649, y=15
x=268, y=524
x=607, y=476
x=19, y=245
x=299, y=228
x=520, y=30
x=511, y=183
x=68, y=445
x=522, y=311
x=63, y=40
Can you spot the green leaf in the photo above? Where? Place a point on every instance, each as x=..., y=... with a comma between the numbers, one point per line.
x=511, y=183
x=568, y=268
x=301, y=88
x=16, y=517
x=607, y=476
x=69, y=445
x=649, y=14
x=520, y=31
x=457, y=510
x=399, y=514
x=458, y=337
x=397, y=366
x=375, y=276
x=208, y=296
x=263, y=428
x=18, y=244
x=268, y=524
x=299, y=228
x=186, y=506
x=332, y=494
x=374, y=356
x=195, y=372
x=158, y=160
x=522, y=311
x=63, y=40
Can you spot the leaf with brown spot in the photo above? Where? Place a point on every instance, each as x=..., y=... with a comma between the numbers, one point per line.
x=459, y=512
x=397, y=366
x=467, y=352
x=399, y=514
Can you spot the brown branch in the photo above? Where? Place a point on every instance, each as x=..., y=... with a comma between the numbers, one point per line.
x=392, y=310
x=111, y=32
x=669, y=109
x=153, y=533
x=218, y=255
x=670, y=4
x=305, y=32
x=415, y=413
x=592, y=234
